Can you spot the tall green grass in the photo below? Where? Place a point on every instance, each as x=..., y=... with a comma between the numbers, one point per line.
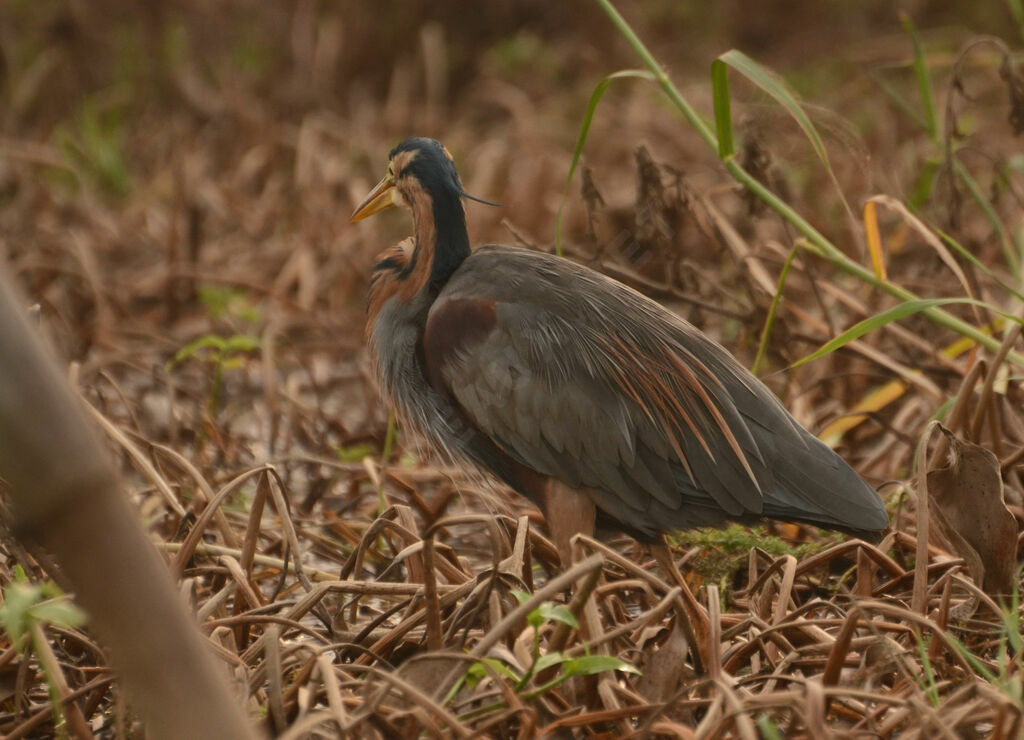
x=718, y=137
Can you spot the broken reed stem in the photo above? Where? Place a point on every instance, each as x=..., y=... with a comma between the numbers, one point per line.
x=431, y=604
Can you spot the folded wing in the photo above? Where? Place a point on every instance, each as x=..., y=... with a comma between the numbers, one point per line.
x=604, y=389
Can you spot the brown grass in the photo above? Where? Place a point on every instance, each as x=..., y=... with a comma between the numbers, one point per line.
x=208, y=197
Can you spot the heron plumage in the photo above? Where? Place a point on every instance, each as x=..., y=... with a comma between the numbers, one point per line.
x=533, y=367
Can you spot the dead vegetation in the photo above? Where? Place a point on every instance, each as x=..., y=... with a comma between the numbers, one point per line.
x=181, y=235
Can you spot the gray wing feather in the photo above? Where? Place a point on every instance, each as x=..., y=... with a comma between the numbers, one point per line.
x=543, y=386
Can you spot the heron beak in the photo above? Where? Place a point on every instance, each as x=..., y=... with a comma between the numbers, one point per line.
x=381, y=197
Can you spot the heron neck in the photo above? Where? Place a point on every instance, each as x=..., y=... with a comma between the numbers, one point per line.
x=442, y=232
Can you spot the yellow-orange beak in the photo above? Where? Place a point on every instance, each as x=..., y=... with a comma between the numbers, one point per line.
x=382, y=196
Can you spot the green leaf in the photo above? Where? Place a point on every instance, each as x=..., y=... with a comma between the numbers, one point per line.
x=925, y=184
x=193, y=348
x=769, y=730
x=15, y=614
x=1011, y=621
x=723, y=114
x=479, y=669
x=547, y=661
x=62, y=612
x=235, y=344
x=658, y=74
x=896, y=96
x=588, y=665
x=241, y=343
x=26, y=603
x=588, y=113
x=94, y=145
x=221, y=301
x=552, y=612
x=895, y=313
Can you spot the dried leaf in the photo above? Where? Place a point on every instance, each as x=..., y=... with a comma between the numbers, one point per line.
x=971, y=511
x=665, y=669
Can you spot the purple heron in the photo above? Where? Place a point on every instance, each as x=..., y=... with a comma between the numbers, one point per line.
x=580, y=393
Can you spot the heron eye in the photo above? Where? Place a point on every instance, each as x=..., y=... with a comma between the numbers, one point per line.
x=391, y=170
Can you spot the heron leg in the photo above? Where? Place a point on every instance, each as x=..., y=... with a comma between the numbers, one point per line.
x=568, y=511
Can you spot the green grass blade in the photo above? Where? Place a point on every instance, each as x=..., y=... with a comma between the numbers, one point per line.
x=817, y=244
x=777, y=88
x=673, y=94
x=924, y=79
x=723, y=114
x=980, y=668
x=816, y=241
x=770, y=83
x=966, y=254
x=762, y=345
x=928, y=680
x=1012, y=259
x=897, y=98
x=925, y=184
x=581, y=139
x=897, y=312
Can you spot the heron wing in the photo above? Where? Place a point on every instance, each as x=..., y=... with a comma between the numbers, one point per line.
x=578, y=377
